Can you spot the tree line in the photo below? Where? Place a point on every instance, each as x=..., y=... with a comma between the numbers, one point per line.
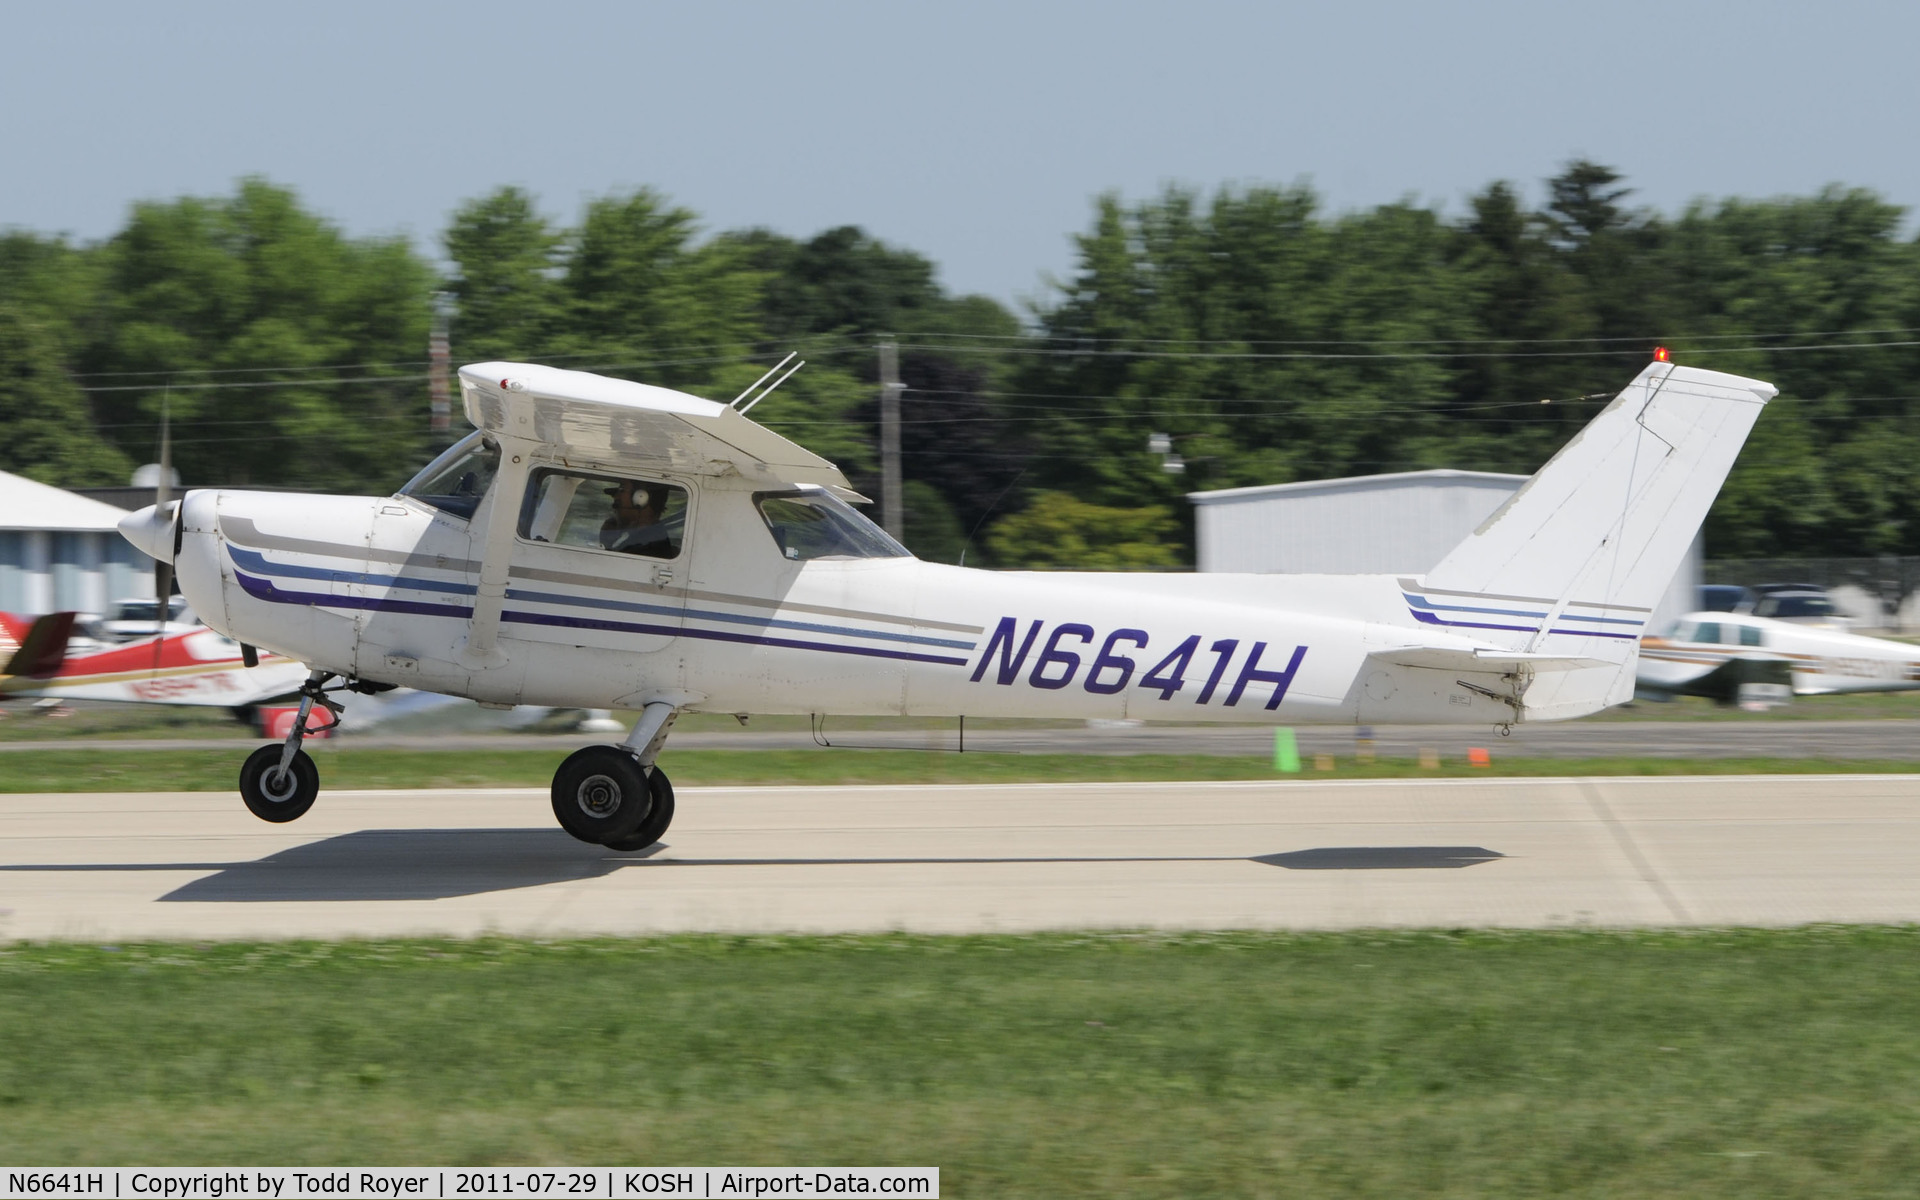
x=1268, y=340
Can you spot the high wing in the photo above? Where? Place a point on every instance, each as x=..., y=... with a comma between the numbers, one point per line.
x=594, y=418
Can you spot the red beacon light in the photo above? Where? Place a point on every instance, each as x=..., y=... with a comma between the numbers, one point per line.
x=1660, y=354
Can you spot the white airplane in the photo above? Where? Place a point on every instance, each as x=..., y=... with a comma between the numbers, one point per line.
x=597, y=543
x=1742, y=658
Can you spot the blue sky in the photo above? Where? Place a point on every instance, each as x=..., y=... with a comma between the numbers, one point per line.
x=977, y=134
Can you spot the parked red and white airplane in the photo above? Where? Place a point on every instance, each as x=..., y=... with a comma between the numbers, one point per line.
x=1741, y=658
x=199, y=667
x=597, y=543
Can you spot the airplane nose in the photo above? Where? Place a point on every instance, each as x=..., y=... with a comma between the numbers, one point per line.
x=151, y=530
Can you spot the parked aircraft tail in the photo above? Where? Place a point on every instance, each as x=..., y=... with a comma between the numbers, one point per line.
x=1566, y=573
x=40, y=649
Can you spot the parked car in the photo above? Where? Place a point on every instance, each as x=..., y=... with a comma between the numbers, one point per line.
x=132, y=619
x=1807, y=603
x=1722, y=597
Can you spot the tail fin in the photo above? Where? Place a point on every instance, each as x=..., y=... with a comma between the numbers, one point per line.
x=42, y=649
x=1573, y=563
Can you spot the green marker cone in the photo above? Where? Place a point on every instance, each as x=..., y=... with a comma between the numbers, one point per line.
x=1286, y=752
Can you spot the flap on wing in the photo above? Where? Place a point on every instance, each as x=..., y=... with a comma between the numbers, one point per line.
x=592, y=416
x=1461, y=658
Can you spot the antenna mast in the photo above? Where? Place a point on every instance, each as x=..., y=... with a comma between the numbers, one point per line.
x=742, y=408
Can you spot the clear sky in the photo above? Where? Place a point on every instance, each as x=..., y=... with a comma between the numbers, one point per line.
x=977, y=133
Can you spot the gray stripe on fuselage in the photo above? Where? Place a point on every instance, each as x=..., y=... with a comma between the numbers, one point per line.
x=1411, y=586
x=243, y=530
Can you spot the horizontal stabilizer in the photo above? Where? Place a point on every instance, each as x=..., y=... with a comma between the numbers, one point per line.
x=1458, y=658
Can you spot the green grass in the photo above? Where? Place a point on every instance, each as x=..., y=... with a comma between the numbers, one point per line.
x=217, y=770
x=1588, y=1063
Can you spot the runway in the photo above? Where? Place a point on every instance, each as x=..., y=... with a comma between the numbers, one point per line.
x=1298, y=855
x=1896, y=739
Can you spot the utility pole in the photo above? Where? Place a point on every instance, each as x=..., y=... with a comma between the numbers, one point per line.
x=890, y=389
x=439, y=360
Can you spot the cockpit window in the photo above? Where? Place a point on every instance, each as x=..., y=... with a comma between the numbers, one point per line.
x=605, y=512
x=809, y=525
x=455, y=482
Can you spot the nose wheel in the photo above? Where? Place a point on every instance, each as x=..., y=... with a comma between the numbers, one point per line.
x=276, y=792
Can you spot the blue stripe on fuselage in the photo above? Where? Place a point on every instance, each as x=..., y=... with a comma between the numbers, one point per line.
x=265, y=589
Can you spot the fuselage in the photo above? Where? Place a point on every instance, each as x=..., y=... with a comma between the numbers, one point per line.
x=385, y=589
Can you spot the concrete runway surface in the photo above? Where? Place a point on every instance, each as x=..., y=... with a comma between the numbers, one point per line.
x=1764, y=850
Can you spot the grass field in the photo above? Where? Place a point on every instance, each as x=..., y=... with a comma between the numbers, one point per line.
x=218, y=769
x=1588, y=1063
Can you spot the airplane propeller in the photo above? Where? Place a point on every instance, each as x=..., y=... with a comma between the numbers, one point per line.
x=163, y=566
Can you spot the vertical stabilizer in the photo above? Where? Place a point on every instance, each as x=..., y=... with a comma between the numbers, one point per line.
x=1574, y=562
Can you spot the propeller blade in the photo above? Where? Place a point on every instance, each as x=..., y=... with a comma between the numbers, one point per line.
x=163, y=567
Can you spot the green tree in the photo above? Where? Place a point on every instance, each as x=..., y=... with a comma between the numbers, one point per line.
x=642, y=297
x=49, y=431
x=289, y=353
x=1060, y=532
x=507, y=261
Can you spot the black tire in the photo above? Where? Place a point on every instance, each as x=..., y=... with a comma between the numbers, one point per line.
x=655, y=826
x=273, y=797
x=601, y=792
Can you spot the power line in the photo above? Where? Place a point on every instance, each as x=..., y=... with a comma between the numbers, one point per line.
x=1331, y=356
x=1498, y=341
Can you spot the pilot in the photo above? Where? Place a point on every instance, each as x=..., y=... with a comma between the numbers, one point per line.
x=634, y=526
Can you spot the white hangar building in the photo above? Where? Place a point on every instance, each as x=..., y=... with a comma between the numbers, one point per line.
x=1369, y=525
x=61, y=551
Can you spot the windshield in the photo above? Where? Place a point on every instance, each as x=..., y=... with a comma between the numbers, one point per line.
x=455, y=482
x=809, y=525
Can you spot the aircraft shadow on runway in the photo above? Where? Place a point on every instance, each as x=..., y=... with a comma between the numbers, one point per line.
x=435, y=864
x=1380, y=858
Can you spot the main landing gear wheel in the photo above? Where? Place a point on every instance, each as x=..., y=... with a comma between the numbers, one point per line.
x=655, y=826
x=601, y=794
x=275, y=795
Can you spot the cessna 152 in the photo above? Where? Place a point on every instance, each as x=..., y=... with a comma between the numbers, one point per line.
x=604, y=544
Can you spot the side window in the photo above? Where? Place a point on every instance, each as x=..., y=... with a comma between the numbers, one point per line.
x=1749, y=636
x=1709, y=632
x=604, y=512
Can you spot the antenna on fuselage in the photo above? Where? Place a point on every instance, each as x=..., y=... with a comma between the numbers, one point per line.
x=770, y=386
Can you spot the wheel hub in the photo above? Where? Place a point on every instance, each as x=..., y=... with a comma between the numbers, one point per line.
x=278, y=785
x=598, y=796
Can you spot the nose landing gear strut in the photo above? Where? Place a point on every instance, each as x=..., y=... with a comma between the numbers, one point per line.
x=279, y=783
